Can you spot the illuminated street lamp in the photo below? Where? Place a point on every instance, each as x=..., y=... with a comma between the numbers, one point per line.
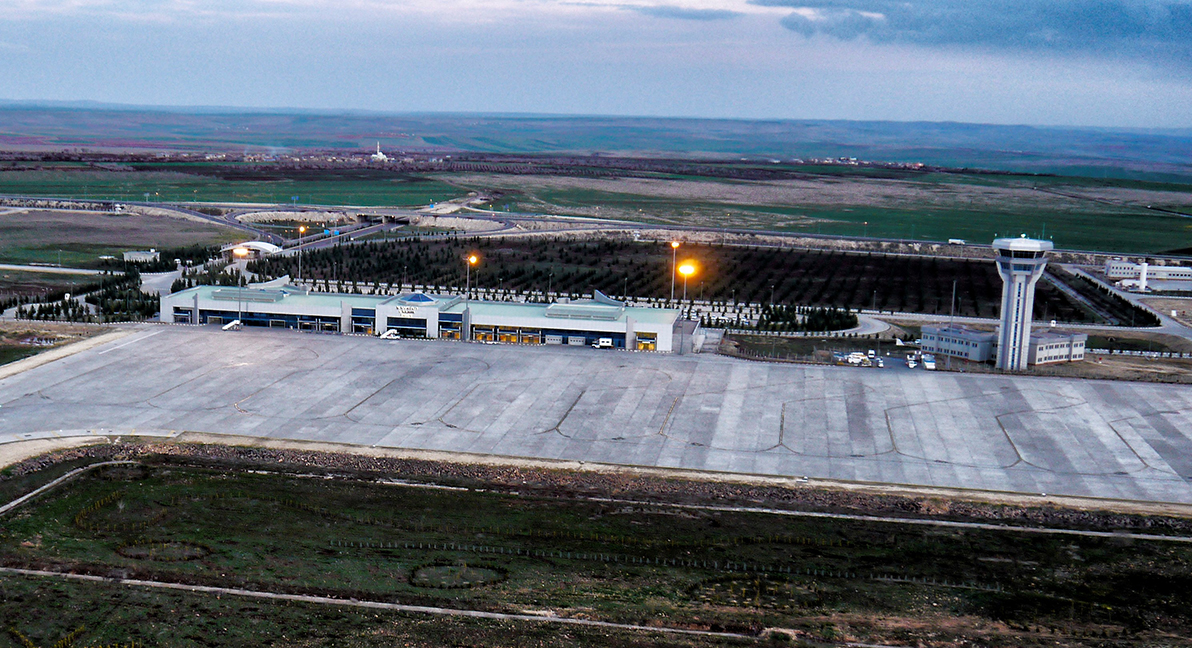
x=240, y=252
x=301, y=232
x=687, y=269
x=674, y=251
x=471, y=260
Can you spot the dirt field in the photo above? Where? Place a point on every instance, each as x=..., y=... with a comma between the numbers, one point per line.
x=1165, y=305
x=1115, y=367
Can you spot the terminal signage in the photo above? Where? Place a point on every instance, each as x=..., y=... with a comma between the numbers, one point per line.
x=406, y=311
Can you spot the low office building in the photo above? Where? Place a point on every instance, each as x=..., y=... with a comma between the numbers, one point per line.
x=1051, y=346
x=142, y=256
x=1120, y=268
x=958, y=342
x=420, y=314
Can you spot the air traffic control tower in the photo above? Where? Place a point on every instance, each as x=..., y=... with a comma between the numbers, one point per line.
x=1020, y=262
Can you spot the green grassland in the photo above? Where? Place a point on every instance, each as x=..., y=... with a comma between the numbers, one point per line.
x=1085, y=214
x=20, y=282
x=181, y=182
x=78, y=239
x=1077, y=213
x=115, y=615
x=12, y=353
x=479, y=548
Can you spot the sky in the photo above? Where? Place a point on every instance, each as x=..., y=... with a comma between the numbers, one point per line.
x=1113, y=63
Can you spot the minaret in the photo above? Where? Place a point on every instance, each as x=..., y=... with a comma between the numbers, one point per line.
x=1020, y=262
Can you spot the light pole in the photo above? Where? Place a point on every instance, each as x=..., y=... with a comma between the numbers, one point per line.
x=471, y=260
x=301, y=231
x=674, y=252
x=687, y=269
x=240, y=252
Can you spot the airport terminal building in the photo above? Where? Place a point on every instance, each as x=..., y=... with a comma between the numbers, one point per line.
x=427, y=315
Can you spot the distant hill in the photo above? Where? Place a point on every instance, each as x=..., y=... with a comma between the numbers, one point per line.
x=1160, y=155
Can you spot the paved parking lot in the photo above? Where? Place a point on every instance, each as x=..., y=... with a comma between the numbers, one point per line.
x=704, y=412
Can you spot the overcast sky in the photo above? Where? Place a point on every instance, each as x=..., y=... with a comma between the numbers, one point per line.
x=1047, y=62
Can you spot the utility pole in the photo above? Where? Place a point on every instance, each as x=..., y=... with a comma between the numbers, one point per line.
x=674, y=256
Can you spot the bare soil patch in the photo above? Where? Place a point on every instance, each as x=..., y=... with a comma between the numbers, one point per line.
x=1166, y=305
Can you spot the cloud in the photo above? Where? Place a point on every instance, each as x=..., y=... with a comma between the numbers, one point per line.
x=684, y=13
x=1152, y=29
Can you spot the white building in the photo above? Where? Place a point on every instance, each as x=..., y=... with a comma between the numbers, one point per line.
x=1020, y=262
x=1120, y=268
x=1056, y=346
x=252, y=250
x=142, y=256
x=958, y=342
x=429, y=315
x=1135, y=276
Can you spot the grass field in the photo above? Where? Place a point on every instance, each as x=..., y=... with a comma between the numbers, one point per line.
x=20, y=282
x=12, y=353
x=636, y=563
x=228, y=183
x=80, y=238
x=1079, y=213
x=1074, y=212
x=117, y=615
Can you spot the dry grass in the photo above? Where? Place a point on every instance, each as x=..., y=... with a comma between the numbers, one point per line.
x=36, y=236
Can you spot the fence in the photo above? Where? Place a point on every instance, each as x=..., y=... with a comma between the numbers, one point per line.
x=1141, y=354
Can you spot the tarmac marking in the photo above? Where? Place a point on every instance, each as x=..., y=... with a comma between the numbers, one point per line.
x=121, y=346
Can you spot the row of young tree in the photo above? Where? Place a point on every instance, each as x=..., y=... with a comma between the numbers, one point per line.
x=211, y=274
x=116, y=298
x=122, y=300
x=64, y=310
x=643, y=270
x=167, y=260
x=621, y=267
x=783, y=317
